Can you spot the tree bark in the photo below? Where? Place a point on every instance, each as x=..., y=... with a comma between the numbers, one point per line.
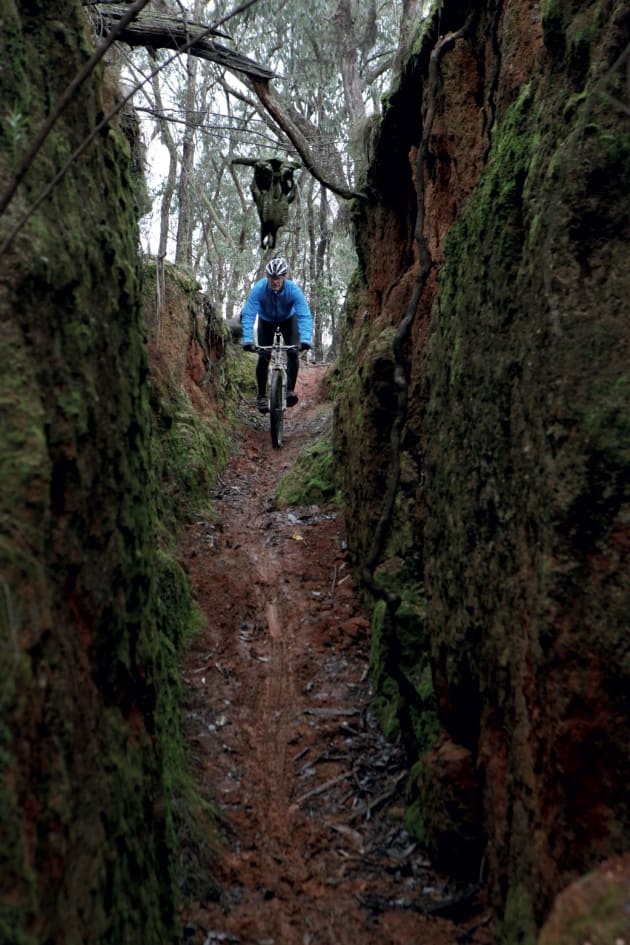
x=183, y=248
x=171, y=179
x=348, y=51
x=159, y=31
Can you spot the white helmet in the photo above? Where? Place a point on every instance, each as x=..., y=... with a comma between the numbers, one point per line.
x=277, y=267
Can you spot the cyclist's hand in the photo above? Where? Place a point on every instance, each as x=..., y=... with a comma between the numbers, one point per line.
x=249, y=346
x=305, y=346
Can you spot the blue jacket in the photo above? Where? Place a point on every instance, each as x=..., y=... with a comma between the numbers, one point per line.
x=276, y=307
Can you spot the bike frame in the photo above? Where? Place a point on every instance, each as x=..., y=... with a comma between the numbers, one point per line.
x=277, y=385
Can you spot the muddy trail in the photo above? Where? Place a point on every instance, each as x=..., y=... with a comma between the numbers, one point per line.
x=310, y=795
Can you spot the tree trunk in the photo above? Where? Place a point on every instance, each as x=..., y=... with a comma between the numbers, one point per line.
x=171, y=180
x=183, y=250
x=321, y=251
x=348, y=50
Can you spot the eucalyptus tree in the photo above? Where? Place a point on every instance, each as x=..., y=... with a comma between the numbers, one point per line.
x=302, y=43
x=183, y=245
x=330, y=61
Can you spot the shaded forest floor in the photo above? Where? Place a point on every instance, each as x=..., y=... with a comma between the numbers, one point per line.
x=309, y=793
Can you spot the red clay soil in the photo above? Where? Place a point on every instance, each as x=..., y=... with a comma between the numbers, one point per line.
x=309, y=793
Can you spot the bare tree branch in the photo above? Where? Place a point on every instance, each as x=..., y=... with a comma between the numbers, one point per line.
x=298, y=140
x=228, y=16
x=371, y=75
x=257, y=106
x=153, y=32
x=160, y=31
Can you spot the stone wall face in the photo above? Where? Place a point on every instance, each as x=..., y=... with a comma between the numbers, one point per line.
x=488, y=329
x=86, y=692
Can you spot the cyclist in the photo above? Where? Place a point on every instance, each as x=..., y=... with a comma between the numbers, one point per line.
x=278, y=302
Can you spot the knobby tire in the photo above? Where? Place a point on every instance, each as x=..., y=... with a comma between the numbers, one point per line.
x=276, y=415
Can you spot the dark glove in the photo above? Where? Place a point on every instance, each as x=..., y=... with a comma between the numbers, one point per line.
x=305, y=346
x=249, y=346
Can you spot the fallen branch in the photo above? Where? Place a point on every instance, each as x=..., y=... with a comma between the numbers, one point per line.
x=326, y=785
x=159, y=31
x=331, y=713
x=367, y=809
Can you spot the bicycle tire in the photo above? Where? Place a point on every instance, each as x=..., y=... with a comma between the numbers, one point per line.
x=276, y=412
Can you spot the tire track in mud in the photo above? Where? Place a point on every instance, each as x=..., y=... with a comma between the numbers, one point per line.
x=278, y=698
x=310, y=793
x=273, y=709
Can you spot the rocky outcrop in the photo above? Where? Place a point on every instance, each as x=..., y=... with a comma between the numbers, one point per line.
x=483, y=436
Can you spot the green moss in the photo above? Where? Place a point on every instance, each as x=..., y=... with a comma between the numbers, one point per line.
x=189, y=451
x=191, y=819
x=527, y=430
x=75, y=407
x=378, y=649
x=23, y=454
x=415, y=821
x=523, y=489
x=602, y=921
x=574, y=103
x=18, y=874
x=384, y=706
x=426, y=27
x=93, y=618
x=16, y=109
x=399, y=659
x=25, y=469
x=241, y=376
x=606, y=421
x=519, y=925
x=311, y=479
x=582, y=40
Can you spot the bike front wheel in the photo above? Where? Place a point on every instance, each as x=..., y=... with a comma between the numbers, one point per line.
x=276, y=412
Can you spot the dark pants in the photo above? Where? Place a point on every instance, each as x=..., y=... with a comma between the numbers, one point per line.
x=290, y=336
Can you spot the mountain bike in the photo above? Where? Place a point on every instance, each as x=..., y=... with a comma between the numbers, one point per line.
x=277, y=386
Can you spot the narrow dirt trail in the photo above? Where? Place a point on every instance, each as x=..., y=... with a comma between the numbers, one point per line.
x=309, y=792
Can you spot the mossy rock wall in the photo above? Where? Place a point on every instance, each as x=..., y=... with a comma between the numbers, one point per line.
x=192, y=367
x=92, y=615
x=512, y=470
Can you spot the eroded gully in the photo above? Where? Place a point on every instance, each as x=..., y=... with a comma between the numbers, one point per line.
x=310, y=798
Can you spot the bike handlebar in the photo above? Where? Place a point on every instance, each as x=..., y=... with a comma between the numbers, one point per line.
x=277, y=348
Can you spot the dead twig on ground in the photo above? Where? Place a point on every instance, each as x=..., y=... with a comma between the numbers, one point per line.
x=366, y=811
x=331, y=713
x=327, y=784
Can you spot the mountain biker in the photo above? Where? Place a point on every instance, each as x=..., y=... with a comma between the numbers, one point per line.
x=278, y=302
